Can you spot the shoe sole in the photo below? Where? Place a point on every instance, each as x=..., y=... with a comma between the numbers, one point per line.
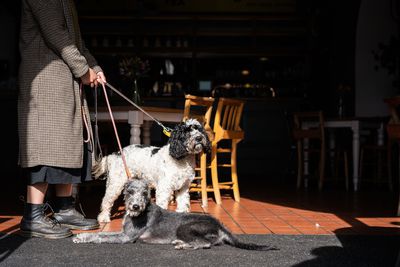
x=49, y=236
x=74, y=227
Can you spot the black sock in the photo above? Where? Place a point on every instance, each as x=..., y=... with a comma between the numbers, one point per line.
x=64, y=203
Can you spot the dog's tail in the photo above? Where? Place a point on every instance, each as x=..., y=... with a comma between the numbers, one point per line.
x=99, y=168
x=230, y=239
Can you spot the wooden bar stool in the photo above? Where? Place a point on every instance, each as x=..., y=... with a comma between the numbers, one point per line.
x=200, y=108
x=226, y=127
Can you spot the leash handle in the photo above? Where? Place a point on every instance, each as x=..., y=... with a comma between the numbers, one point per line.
x=86, y=124
x=128, y=173
x=166, y=130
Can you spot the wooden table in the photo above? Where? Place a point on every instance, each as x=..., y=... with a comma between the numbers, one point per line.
x=138, y=120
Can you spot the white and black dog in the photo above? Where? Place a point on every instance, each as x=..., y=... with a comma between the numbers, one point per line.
x=148, y=222
x=168, y=169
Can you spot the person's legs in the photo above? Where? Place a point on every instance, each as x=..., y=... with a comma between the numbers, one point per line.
x=65, y=211
x=34, y=221
x=63, y=190
x=36, y=193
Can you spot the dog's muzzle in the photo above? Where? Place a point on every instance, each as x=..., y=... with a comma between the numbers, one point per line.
x=199, y=144
x=134, y=209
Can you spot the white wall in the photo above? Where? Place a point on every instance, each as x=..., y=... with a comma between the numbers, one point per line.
x=375, y=24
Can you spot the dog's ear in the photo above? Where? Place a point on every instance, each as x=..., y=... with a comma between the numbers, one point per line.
x=126, y=186
x=177, y=147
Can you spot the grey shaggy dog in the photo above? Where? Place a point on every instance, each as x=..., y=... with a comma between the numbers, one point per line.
x=148, y=222
x=169, y=169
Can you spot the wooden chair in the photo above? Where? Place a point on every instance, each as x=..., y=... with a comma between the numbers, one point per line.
x=303, y=134
x=226, y=127
x=373, y=157
x=393, y=134
x=200, y=108
x=309, y=134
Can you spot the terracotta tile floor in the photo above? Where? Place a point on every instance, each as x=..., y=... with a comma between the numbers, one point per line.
x=276, y=210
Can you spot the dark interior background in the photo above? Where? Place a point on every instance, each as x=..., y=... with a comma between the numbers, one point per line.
x=305, y=50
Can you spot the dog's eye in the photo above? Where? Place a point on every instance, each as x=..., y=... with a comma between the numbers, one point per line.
x=145, y=193
x=195, y=127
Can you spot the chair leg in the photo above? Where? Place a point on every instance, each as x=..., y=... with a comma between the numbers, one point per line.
x=299, y=164
x=390, y=181
x=235, y=181
x=321, y=167
x=389, y=163
x=203, y=181
x=214, y=174
x=398, y=206
x=379, y=165
x=361, y=164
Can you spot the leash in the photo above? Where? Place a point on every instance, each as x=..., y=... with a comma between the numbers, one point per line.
x=98, y=153
x=166, y=130
x=128, y=173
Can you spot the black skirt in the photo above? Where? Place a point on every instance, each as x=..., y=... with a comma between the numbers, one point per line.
x=59, y=175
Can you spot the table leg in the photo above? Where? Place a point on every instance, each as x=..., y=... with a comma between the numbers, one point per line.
x=332, y=145
x=135, y=119
x=146, y=132
x=135, y=134
x=356, y=155
x=381, y=130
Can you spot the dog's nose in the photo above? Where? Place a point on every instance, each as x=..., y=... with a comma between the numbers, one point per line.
x=135, y=207
x=199, y=138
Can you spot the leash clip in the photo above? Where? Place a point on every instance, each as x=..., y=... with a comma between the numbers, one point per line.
x=167, y=131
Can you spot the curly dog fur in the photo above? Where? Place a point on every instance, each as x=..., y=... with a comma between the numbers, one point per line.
x=168, y=169
x=148, y=222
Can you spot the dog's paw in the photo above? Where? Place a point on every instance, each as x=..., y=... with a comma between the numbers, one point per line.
x=183, y=209
x=80, y=238
x=177, y=242
x=182, y=245
x=103, y=218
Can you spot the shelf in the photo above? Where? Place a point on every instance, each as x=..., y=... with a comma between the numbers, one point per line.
x=204, y=52
x=205, y=46
x=205, y=17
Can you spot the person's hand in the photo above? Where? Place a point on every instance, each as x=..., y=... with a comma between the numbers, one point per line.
x=90, y=78
x=101, y=78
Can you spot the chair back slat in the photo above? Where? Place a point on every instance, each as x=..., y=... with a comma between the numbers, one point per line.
x=231, y=118
x=393, y=131
x=393, y=104
x=393, y=126
x=200, y=108
x=308, y=125
x=227, y=119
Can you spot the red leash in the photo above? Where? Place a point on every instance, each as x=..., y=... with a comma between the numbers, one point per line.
x=128, y=173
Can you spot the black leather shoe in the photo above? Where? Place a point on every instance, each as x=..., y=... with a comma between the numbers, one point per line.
x=68, y=216
x=35, y=223
x=72, y=219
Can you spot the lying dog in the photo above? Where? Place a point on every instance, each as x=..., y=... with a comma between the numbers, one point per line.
x=152, y=224
x=168, y=169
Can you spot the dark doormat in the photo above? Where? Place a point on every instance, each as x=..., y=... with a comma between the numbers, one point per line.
x=294, y=250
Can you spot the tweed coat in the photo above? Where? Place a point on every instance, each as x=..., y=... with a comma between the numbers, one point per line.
x=53, y=57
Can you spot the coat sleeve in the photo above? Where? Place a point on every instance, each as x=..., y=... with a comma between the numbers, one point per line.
x=90, y=59
x=49, y=14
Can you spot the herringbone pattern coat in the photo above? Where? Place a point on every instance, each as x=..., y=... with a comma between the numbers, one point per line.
x=53, y=57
